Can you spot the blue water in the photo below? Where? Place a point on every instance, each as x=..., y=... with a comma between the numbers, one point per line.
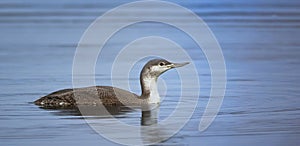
x=259, y=40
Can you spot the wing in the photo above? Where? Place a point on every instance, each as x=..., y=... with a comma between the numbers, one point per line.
x=87, y=96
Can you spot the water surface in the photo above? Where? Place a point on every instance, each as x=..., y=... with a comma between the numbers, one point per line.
x=260, y=45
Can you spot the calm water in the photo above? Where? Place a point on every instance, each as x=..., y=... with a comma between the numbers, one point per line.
x=260, y=42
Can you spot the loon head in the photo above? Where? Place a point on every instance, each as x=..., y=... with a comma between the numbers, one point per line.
x=149, y=74
x=154, y=68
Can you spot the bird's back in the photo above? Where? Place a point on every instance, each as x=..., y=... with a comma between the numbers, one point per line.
x=94, y=95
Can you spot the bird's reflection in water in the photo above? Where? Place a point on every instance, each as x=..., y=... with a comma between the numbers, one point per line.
x=87, y=110
x=149, y=113
x=149, y=118
x=150, y=131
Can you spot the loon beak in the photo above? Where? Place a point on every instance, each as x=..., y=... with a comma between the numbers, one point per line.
x=175, y=65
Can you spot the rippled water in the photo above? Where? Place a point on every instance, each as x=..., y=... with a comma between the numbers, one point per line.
x=260, y=42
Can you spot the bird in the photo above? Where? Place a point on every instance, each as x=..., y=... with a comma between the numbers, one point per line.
x=107, y=95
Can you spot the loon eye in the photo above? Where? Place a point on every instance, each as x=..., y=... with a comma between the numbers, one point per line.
x=161, y=64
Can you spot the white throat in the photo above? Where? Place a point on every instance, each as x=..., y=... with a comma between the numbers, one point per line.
x=150, y=87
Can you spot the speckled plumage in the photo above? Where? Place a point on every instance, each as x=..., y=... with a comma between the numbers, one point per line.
x=105, y=95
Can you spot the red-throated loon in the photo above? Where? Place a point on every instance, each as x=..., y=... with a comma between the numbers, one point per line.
x=107, y=95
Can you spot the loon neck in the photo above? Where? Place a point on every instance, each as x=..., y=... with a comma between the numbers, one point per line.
x=149, y=89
